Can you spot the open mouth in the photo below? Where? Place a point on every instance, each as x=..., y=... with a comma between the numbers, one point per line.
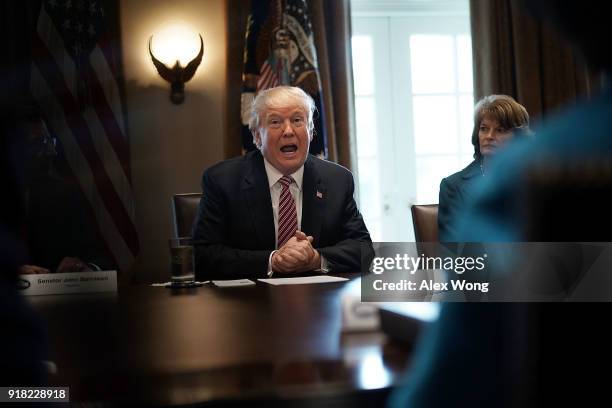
x=290, y=148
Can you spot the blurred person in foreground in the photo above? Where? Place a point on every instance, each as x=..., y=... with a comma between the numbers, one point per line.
x=550, y=189
x=498, y=119
x=279, y=211
x=23, y=340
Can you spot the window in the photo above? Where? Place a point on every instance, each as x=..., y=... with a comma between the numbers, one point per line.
x=412, y=63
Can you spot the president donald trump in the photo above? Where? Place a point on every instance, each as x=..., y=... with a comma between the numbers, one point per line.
x=279, y=211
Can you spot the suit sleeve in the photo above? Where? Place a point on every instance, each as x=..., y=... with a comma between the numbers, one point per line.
x=447, y=211
x=86, y=242
x=354, y=252
x=215, y=258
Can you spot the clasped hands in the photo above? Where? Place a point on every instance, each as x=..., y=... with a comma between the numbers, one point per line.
x=297, y=255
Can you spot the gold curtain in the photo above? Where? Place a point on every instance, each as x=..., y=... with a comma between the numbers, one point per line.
x=514, y=54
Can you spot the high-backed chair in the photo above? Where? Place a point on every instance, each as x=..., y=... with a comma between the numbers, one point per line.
x=184, y=211
x=425, y=221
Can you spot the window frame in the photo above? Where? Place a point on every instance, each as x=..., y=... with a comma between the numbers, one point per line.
x=390, y=28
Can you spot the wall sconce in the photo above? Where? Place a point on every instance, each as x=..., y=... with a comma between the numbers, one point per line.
x=178, y=74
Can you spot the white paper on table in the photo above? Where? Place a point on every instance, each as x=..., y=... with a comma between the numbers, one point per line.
x=232, y=283
x=303, y=280
x=164, y=284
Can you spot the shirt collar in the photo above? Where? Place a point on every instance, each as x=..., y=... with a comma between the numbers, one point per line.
x=274, y=175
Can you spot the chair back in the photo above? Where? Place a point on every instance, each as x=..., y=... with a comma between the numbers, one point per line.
x=425, y=221
x=184, y=211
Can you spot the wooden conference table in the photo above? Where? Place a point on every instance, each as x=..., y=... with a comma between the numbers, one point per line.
x=259, y=345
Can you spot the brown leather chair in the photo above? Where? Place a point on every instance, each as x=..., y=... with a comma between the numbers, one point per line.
x=184, y=211
x=425, y=221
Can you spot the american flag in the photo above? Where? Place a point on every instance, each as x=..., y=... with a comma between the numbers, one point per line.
x=268, y=78
x=74, y=79
x=280, y=50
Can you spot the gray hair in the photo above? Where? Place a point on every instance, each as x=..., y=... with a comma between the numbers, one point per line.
x=280, y=97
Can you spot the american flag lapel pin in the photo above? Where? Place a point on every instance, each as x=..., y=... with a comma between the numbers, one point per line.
x=319, y=195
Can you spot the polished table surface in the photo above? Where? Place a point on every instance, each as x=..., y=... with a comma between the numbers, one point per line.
x=256, y=344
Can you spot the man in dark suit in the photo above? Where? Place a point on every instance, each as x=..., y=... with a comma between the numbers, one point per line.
x=60, y=234
x=278, y=210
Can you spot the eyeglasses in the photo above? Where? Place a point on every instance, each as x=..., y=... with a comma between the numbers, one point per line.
x=44, y=146
x=40, y=141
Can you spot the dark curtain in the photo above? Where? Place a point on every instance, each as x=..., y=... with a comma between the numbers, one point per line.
x=17, y=24
x=237, y=14
x=514, y=54
x=332, y=31
x=332, y=28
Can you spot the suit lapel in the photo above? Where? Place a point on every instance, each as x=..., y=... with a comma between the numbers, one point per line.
x=472, y=170
x=313, y=200
x=256, y=192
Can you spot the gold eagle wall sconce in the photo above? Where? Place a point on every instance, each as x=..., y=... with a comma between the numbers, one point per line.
x=177, y=75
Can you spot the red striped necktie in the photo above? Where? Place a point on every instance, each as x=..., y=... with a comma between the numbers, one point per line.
x=287, y=215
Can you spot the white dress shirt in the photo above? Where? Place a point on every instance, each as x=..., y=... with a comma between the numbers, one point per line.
x=296, y=191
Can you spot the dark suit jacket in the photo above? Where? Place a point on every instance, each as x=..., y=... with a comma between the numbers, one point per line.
x=234, y=230
x=59, y=225
x=455, y=191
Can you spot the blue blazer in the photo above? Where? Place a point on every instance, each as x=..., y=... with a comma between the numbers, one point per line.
x=455, y=191
x=234, y=231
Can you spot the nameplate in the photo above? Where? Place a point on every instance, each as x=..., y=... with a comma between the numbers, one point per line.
x=66, y=283
x=358, y=316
